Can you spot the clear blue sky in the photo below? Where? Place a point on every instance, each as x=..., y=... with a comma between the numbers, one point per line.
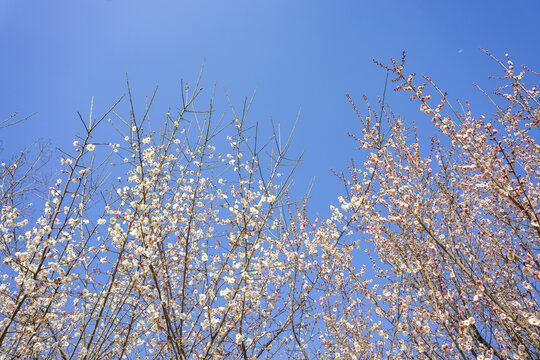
x=298, y=55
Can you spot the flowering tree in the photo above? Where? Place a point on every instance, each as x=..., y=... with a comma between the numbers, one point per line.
x=455, y=232
x=160, y=246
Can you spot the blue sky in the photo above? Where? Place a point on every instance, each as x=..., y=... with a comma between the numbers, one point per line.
x=299, y=56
